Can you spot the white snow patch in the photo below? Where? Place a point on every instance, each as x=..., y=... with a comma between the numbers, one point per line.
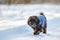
x=6, y=24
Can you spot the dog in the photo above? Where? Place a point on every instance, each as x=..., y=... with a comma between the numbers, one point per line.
x=33, y=23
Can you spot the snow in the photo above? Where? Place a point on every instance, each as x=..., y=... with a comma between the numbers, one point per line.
x=13, y=22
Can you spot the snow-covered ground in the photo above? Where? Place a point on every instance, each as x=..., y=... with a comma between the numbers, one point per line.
x=13, y=22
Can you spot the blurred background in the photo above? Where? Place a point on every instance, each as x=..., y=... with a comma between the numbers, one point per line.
x=13, y=19
x=29, y=1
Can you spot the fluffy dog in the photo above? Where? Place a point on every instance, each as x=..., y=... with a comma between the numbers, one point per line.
x=33, y=23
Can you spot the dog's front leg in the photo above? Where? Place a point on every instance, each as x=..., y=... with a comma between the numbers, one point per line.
x=36, y=31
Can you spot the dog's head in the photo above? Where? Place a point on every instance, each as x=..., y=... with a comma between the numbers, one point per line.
x=33, y=21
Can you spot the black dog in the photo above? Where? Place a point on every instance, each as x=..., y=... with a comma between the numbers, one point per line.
x=33, y=23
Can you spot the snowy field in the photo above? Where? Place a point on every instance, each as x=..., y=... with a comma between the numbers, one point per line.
x=13, y=22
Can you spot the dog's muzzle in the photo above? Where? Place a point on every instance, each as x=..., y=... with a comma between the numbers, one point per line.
x=32, y=24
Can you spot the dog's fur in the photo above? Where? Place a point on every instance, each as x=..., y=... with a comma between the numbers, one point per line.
x=33, y=23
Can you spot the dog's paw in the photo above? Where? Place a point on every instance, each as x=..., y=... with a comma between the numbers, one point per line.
x=36, y=33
